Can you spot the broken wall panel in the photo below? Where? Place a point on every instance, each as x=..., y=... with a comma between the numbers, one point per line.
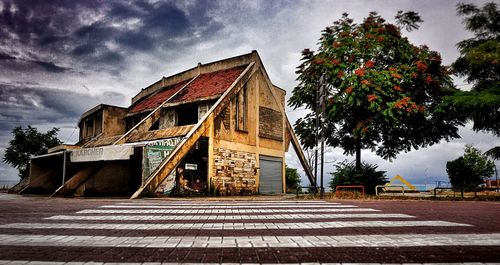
x=168, y=119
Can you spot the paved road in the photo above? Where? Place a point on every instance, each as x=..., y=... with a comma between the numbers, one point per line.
x=74, y=231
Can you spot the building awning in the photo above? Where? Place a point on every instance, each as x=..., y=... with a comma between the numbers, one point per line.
x=118, y=152
x=47, y=155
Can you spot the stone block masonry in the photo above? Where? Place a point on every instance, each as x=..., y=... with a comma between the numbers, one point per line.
x=234, y=172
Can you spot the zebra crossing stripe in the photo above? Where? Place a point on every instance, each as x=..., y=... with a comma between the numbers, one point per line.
x=212, y=206
x=28, y=262
x=246, y=202
x=227, y=217
x=387, y=240
x=220, y=211
x=232, y=226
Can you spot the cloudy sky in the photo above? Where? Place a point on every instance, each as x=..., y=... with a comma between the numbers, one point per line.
x=60, y=58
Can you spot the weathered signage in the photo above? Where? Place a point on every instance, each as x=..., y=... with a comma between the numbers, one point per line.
x=155, y=153
x=167, y=185
x=104, y=153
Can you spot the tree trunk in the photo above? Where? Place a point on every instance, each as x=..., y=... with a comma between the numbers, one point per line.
x=358, y=154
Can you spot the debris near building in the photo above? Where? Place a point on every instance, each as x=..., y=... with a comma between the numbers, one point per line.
x=218, y=128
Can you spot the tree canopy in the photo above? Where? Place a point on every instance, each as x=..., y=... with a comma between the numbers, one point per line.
x=469, y=170
x=27, y=143
x=382, y=92
x=479, y=63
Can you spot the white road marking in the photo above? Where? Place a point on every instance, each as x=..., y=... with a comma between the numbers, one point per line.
x=212, y=206
x=221, y=211
x=227, y=203
x=227, y=217
x=28, y=262
x=231, y=226
x=391, y=240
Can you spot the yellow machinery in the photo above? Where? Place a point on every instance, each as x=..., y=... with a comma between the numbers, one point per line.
x=404, y=181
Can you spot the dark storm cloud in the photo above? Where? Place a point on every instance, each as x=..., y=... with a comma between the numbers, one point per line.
x=82, y=33
x=4, y=56
x=50, y=67
x=24, y=104
x=9, y=62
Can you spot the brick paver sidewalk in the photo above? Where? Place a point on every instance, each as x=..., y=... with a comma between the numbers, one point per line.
x=73, y=231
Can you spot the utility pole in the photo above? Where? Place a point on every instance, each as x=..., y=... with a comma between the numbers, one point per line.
x=316, y=143
x=322, y=92
x=496, y=178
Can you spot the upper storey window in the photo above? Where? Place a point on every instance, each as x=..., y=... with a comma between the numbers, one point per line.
x=91, y=126
x=241, y=109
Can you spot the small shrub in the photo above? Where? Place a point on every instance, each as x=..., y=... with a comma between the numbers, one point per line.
x=368, y=176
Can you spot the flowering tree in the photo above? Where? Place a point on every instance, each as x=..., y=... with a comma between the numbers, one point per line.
x=383, y=93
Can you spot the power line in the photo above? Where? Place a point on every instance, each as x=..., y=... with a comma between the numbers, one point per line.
x=71, y=134
x=295, y=110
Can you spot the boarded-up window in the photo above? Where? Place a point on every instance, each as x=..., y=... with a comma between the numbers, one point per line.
x=168, y=119
x=241, y=110
x=270, y=124
x=203, y=109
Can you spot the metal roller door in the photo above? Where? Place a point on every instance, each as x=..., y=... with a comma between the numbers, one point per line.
x=271, y=177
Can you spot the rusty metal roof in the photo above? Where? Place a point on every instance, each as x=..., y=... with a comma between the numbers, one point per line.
x=209, y=84
x=206, y=85
x=156, y=99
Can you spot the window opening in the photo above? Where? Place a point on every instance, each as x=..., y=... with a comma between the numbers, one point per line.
x=98, y=124
x=241, y=109
x=187, y=115
x=155, y=126
x=90, y=127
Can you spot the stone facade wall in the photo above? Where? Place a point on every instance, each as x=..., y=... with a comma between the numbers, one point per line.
x=234, y=172
x=270, y=124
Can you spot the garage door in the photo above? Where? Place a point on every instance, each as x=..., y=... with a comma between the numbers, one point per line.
x=271, y=178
